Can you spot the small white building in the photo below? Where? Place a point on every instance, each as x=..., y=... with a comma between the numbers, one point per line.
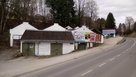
x=80, y=37
x=109, y=32
x=45, y=43
x=17, y=32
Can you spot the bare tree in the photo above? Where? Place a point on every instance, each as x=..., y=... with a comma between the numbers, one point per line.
x=129, y=22
x=91, y=9
x=4, y=11
x=87, y=9
x=122, y=29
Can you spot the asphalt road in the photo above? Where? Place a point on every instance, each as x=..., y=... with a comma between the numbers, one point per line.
x=119, y=61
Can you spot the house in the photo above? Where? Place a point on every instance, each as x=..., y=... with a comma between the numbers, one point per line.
x=55, y=27
x=43, y=43
x=82, y=37
x=17, y=32
x=99, y=36
x=109, y=32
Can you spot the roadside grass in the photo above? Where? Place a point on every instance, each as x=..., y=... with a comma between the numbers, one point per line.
x=133, y=34
x=96, y=44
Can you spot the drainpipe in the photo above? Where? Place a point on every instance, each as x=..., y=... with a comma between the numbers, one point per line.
x=21, y=46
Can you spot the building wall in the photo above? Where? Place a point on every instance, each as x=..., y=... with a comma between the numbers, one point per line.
x=67, y=48
x=43, y=49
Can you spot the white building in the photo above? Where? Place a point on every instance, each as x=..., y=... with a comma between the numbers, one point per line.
x=80, y=36
x=17, y=32
x=44, y=43
x=54, y=40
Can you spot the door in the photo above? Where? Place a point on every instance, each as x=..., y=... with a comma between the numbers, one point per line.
x=82, y=46
x=56, y=49
x=28, y=49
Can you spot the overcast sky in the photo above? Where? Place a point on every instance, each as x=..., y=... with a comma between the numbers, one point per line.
x=119, y=8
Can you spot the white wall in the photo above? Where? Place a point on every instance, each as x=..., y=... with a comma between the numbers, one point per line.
x=67, y=48
x=17, y=32
x=102, y=39
x=42, y=49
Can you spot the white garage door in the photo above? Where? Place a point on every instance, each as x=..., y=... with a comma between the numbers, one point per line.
x=44, y=48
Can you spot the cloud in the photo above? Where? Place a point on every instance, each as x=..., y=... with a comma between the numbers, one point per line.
x=120, y=9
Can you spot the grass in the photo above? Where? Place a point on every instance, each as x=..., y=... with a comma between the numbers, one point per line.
x=96, y=44
x=133, y=34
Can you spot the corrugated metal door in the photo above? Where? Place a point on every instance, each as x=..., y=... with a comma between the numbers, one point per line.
x=28, y=49
x=56, y=49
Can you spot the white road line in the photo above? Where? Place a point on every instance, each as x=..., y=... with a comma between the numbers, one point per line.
x=87, y=72
x=119, y=55
x=102, y=64
x=131, y=46
x=112, y=59
x=124, y=52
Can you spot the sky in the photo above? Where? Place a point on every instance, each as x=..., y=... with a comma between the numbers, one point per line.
x=120, y=9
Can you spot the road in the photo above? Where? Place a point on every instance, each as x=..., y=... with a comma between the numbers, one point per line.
x=119, y=61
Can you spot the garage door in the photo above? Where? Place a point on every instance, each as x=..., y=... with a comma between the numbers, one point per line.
x=82, y=46
x=56, y=49
x=44, y=48
x=28, y=49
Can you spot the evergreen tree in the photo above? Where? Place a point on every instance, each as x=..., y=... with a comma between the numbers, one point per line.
x=63, y=11
x=110, y=22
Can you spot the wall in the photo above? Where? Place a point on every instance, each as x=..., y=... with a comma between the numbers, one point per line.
x=42, y=49
x=67, y=48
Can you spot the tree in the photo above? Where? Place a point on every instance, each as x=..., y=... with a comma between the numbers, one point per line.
x=86, y=12
x=110, y=22
x=129, y=21
x=80, y=11
x=63, y=11
x=91, y=9
x=100, y=23
x=122, y=29
x=4, y=14
x=135, y=26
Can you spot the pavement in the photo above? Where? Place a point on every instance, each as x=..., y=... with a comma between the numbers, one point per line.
x=24, y=65
x=119, y=61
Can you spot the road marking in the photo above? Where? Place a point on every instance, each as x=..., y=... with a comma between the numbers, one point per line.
x=119, y=55
x=124, y=52
x=102, y=64
x=112, y=59
x=131, y=46
x=87, y=72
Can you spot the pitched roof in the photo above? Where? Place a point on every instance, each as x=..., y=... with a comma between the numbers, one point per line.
x=20, y=29
x=83, y=29
x=69, y=28
x=55, y=27
x=54, y=36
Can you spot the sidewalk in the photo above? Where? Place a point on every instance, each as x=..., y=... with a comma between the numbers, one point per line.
x=21, y=65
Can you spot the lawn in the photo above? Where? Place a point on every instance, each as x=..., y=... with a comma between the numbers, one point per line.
x=133, y=34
